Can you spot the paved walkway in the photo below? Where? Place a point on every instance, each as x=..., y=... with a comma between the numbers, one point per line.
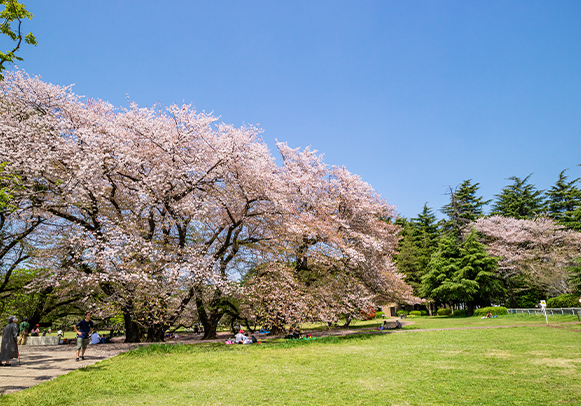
x=43, y=363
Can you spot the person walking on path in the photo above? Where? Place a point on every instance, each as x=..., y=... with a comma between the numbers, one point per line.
x=24, y=329
x=83, y=334
x=9, y=348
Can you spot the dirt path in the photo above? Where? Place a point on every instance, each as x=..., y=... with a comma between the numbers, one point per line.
x=43, y=363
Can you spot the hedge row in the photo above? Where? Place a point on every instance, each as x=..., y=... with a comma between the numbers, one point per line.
x=419, y=313
x=564, y=300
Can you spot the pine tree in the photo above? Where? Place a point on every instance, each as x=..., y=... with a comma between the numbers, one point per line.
x=521, y=200
x=464, y=207
x=477, y=282
x=462, y=273
x=564, y=202
x=407, y=258
x=426, y=228
x=443, y=265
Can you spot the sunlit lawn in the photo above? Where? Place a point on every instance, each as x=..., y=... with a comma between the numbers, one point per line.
x=506, y=320
x=452, y=322
x=509, y=366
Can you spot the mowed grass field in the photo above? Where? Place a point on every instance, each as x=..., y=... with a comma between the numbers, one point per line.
x=509, y=366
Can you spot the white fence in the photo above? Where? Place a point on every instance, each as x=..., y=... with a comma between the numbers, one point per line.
x=550, y=312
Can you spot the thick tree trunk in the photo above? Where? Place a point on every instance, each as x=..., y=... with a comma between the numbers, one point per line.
x=209, y=320
x=156, y=333
x=277, y=329
x=470, y=306
x=132, y=331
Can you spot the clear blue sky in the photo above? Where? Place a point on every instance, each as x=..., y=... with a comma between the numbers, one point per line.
x=413, y=96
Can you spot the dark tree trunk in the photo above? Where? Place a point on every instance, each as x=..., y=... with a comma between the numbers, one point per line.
x=470, y=306
x=155, y=333
x=277, y=329
x=209, y=320
x=132, y=330
x=250, y=329
x=348, y=319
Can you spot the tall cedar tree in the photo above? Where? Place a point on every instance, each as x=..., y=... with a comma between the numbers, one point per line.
x=426, y=228
x=408, y=257
x=462, y=274
x=521, y=200
x=464, y=208
x=564, y=202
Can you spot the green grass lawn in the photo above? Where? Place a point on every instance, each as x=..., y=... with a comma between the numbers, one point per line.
x=511, y=366
x=506, y=320
x=451, y=322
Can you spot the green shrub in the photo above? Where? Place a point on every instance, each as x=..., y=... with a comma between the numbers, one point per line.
x=401, y=312
x=415, y=313
x=496, y=311
x=379, y=315
x=460, y=313
x=424, y=312
x=565, y=300
x=444, y=312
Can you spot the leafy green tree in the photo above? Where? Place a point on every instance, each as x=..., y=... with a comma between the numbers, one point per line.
x=520, y=200
x=11, y=26
x=564, y=202
x=464, y=207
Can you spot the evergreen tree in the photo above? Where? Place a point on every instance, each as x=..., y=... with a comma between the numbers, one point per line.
x=464, y=207
x=521, y=200
x=407, y=258
x=477, y=282
x=426, y=228
x=564, y=202
x=443, y=265
x=462, y=274
x=576, y=276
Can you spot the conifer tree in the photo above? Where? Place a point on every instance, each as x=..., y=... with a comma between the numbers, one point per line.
x=464, y=207
x=407, y=258
x=443, y=265
x=520, y=200
x=564, y=202
x=462, y=273
x=426, y=228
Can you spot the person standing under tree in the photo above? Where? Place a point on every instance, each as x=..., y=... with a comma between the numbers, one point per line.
x=24, y=329
x=83, y=334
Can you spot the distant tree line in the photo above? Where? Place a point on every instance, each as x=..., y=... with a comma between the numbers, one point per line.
x=524, y=250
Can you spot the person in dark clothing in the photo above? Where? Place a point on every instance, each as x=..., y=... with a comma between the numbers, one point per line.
x=85, y=328
x=9, y=348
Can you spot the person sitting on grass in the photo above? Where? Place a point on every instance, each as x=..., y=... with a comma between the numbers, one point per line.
x=384, y=326
x=95, y=338
x=240, y=337
x=397, y=325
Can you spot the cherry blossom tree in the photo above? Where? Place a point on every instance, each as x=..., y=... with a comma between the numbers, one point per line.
x=160, y=209
x=540, y=250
